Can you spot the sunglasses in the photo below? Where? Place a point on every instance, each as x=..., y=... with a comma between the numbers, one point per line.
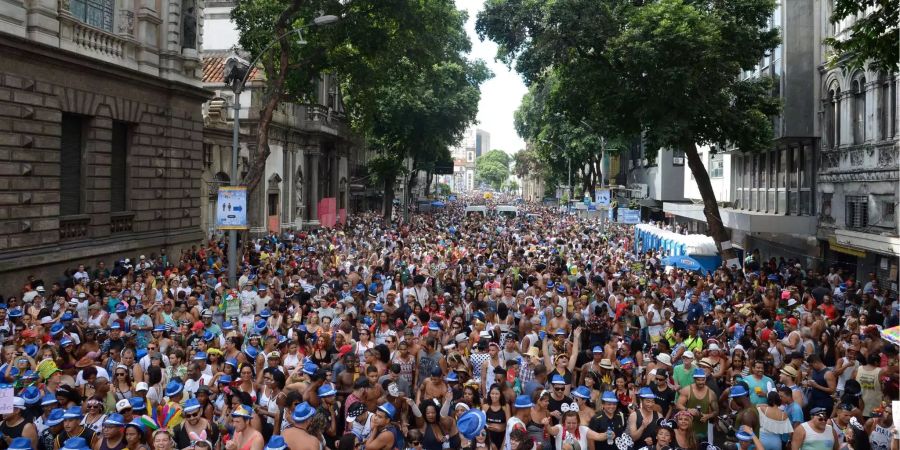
x=192, y=416
x=120, y=374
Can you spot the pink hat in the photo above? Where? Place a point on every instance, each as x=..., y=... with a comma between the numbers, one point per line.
x=785, y=294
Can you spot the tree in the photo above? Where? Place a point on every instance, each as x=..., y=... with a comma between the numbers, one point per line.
x=511, y=186
x=873, y=40
x=420, y=115
x=665, y=70
x=362, y=49
x=492, y=168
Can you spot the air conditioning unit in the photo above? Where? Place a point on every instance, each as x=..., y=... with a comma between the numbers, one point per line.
x=678, y=160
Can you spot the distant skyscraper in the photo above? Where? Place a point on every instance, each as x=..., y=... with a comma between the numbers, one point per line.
x=482, y=142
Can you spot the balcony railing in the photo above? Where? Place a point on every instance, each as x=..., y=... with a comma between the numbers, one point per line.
x=74, y=227
x=93, y=42
x=121, y=222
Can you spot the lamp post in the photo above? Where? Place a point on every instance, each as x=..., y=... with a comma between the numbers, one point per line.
x=237, y=71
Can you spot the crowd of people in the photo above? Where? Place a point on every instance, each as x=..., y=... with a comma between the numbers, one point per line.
x=543, y=331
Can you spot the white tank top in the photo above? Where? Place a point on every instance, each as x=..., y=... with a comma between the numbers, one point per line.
x=817, y=441
x=880, y=438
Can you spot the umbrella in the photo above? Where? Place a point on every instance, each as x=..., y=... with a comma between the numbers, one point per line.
x=892, y=335
x=437, y=204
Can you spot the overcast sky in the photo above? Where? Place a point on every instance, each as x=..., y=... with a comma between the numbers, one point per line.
x=501, y=95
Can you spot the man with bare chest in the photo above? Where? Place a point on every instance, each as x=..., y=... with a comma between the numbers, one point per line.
x=433, y=386
x=297, y=436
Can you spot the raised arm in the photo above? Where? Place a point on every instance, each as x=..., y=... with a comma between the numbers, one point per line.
x=576, y=346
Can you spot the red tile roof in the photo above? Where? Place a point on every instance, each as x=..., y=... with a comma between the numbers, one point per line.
x=214, y=68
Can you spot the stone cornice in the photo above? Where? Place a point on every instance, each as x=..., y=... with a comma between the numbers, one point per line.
x=865, y=176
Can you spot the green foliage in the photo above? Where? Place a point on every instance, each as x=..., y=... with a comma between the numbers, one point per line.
x=511, y=186
x=492, y=168
x=872, y=41
x=405, y=83
x=443, y=189
x=667, y=69
x=527, y=163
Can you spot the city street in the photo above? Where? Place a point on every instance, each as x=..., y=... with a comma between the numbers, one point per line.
x=449, y=224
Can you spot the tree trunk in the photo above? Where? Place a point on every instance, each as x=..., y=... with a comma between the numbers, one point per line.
x=388, y=206
x=710, y=207
x=429, y=176
x=274, y=90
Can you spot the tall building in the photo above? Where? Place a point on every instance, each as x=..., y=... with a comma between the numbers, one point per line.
x=482, y=142
x=315, y=174
x=464, y=155
x=101, y=132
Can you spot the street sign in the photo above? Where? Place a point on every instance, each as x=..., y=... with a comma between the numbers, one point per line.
x=629, y=215
x=602, y=197
x=231, y=208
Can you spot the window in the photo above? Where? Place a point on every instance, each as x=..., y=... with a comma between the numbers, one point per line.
x=887, y=211
x=118, y=196
x=70, y=155
x=470, y=156
x=96, y=13
x=859, y=110
x=272, y=204
x=677, y=157
x=716, y=164
x=857, y=214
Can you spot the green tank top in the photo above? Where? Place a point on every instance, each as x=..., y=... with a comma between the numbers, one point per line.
x=705, y=408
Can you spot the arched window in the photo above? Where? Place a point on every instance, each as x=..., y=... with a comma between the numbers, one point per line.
x=832, y=116
x=858, y=87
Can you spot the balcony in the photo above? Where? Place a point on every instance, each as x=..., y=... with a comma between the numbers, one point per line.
x=121, y=222
x=95, y=43
x=74, y=227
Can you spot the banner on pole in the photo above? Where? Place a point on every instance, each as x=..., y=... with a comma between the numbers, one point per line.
x=603, y=197
x=231, y=208
x=629, y=215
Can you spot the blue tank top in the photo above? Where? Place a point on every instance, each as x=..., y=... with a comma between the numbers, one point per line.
x=817, y=397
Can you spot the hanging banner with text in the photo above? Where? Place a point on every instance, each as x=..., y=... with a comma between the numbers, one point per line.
x=231, y=208
x=629, y=215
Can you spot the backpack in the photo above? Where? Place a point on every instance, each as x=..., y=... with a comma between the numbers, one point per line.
x=399, y=442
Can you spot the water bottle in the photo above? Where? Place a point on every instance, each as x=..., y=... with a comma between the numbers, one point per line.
x=609, y=436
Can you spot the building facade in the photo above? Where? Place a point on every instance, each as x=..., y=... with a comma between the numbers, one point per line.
x=100, y=134
x=464, y=155
x=767, y=199
x=315, y=161
x=826, y=192
x=652, y=181
x=857, y=185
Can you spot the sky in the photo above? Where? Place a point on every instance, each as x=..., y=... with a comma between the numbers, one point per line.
x=501, y=95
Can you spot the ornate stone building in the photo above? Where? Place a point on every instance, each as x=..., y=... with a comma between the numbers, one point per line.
x=859, y=168
x=100, y=132
x=315, y=174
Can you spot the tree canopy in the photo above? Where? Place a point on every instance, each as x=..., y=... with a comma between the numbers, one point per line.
x=872, y=41
x=492, y=168
x=668, y=71
x=406, y=83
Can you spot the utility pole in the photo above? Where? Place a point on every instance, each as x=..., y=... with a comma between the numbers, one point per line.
x=232, y=234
